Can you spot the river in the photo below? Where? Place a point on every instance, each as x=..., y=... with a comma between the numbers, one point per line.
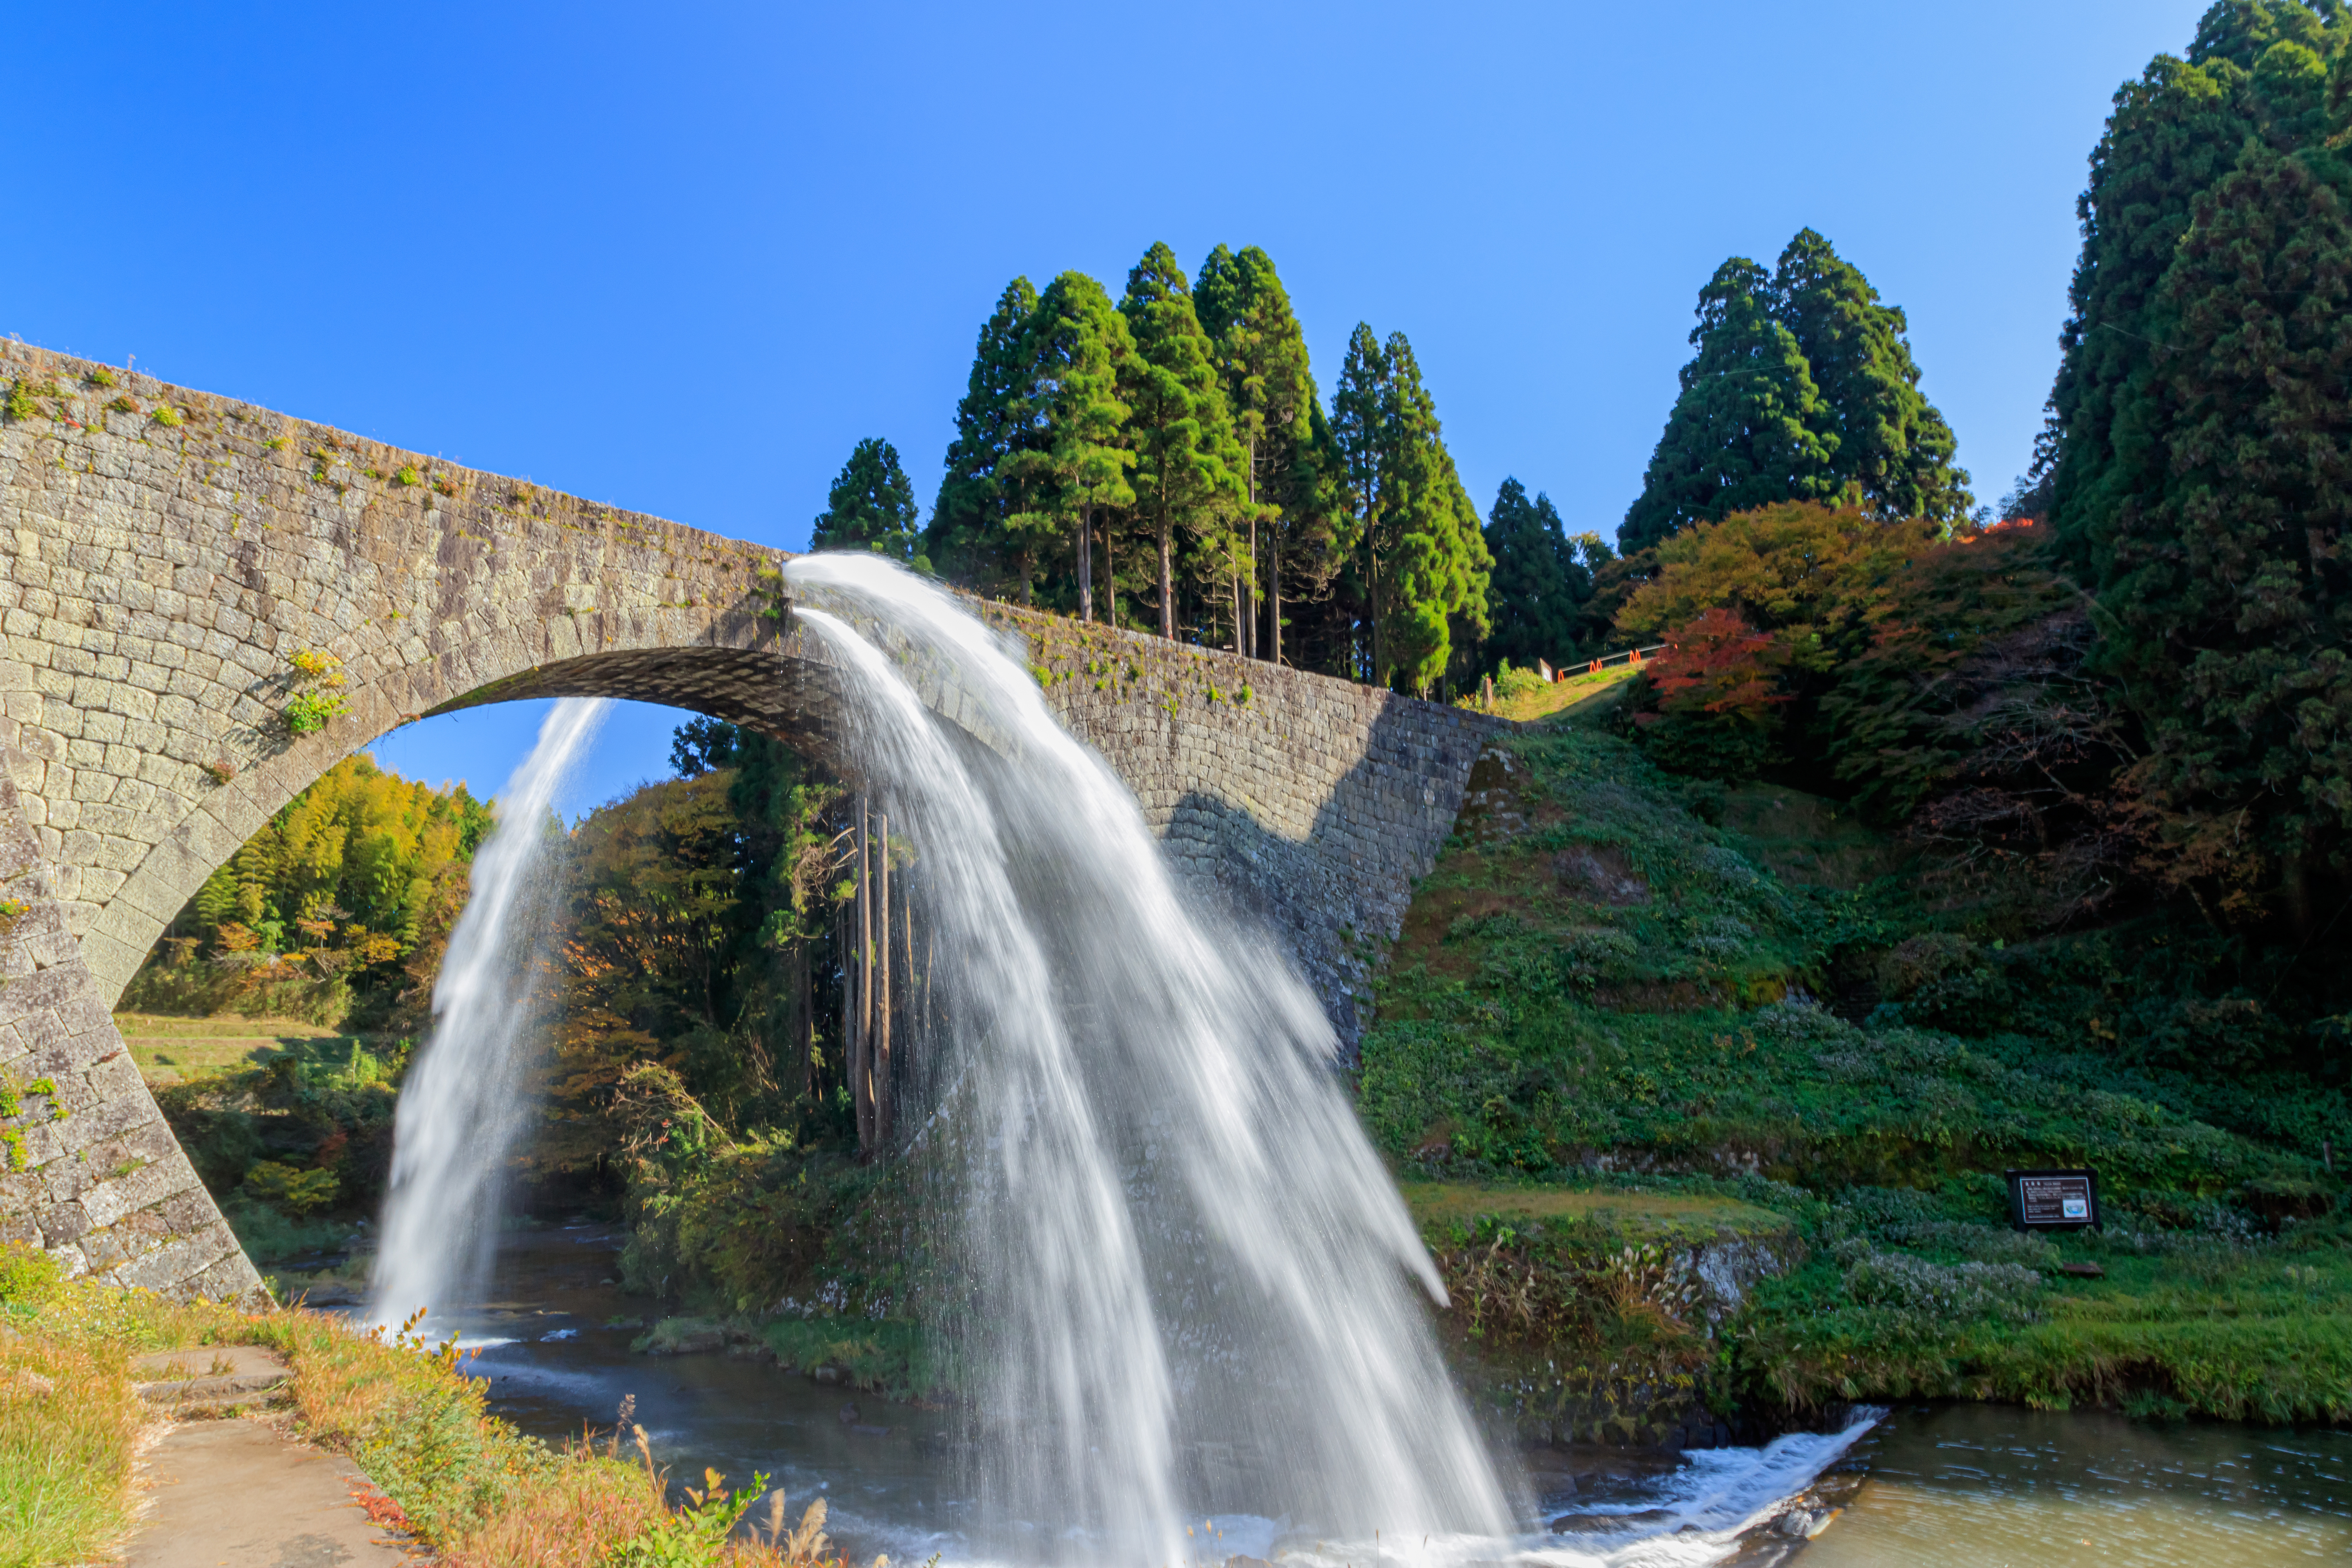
x=1960, y=1486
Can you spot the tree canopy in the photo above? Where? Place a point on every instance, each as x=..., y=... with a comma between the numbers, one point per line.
x=2197, y=450
x=1189, y=484
x=1802, y=388
x=871, y=506
x=1539, y=586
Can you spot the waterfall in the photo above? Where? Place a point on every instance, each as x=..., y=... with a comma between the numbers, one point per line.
x=460, y=1105
x=1189, y=1282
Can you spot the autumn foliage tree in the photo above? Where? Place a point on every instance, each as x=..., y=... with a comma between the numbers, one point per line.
x=1719, y=697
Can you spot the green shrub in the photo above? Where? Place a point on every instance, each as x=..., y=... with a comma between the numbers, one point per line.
x=307, y=712
x=28, y=1277
x=298, y=1191
x=1510, y=682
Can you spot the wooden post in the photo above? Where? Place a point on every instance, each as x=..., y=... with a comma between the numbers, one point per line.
x=885, y=1082
x=917, y=1041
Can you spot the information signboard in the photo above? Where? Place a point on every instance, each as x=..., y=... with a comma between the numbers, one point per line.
x=2052, y=1200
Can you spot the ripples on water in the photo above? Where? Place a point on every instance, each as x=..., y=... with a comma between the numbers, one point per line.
x=1995, y=1487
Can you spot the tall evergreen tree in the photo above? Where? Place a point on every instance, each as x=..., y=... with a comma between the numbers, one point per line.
x=968, y=533
x=1188, y=469
x=1750, y=427
x=2196, y=454
x=1892, y=450
x=1418, y=554
x=1079, y=346
x=871, y=506
x=1261, y=355
x=1538, y=583
x=2229, y=599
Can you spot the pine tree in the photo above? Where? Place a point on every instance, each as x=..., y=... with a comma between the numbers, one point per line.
x=1261, y=355
x=871, y=506
x=1750, y=427
x=1079, y=345
x=968, y=534
x=1188, y=469
x=1892, y=447
x=1538, y=584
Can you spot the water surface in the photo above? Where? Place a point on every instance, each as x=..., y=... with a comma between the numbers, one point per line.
x=1974, y=1486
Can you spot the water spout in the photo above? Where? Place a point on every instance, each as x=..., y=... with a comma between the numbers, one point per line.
x=460, y=1106
x=1189, y=1281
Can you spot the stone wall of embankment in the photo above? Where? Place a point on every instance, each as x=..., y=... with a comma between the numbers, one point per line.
x=1311, y=805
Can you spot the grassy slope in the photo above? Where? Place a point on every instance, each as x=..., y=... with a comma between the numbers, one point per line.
x=1560, y=696
x=1599, y=988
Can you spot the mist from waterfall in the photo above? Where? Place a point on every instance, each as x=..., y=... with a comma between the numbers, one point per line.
x=461, y=1105
x=1188, y=1284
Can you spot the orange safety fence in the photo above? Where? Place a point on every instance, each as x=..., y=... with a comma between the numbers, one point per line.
x=1633, y=655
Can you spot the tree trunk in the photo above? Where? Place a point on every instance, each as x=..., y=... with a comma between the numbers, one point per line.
x=883, y=1080
x=1167, y=579
x=1274, y=601
x=1110, y=579
x=911, y=1043
x=862, y=1079
x=1085, y=567
x=1247, y=644
x=805, y=1022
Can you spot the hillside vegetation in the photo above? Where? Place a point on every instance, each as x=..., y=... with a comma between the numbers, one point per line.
x=1620, y=990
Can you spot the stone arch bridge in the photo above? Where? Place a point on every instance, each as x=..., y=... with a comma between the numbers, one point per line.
x=168, y=553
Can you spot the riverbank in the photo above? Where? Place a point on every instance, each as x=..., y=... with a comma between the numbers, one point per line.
x=463, y=1482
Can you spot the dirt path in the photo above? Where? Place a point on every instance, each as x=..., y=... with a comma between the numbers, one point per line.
x=242, y=1494
x=233, y=1493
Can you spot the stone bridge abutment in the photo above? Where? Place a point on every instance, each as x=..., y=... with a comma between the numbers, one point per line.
x=170, y=553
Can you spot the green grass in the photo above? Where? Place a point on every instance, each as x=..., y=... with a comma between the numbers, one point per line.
x=1575, y=692
x=893, y=1357
x=1601, y=1033
x=1650, y=1215
x=175, y=1049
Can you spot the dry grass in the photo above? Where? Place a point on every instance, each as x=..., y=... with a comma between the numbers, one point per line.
x=467, y=1483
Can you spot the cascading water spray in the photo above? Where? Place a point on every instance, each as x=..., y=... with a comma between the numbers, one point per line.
x=1190, y=1276
x=460, y=1107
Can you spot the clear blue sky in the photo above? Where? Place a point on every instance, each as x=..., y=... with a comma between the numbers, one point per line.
x=682, y=259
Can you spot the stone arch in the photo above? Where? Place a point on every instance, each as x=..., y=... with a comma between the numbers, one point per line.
x=166, y=554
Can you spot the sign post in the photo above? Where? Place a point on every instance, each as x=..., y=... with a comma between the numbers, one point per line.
x=2052, y=1200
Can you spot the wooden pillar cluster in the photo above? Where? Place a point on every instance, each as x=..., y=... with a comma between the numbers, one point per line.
x=882, y=1007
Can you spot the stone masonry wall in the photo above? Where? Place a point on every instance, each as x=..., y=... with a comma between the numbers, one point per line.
x=1311, y=805
x=166, y=554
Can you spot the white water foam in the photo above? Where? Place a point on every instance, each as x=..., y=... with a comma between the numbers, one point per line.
x=1193, y=1282
x=461, y=1104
